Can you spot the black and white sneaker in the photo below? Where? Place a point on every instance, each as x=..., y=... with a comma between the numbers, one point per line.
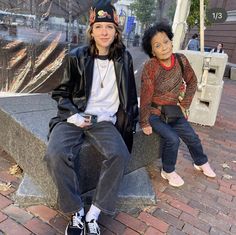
x=92, y=228
x=76, y=226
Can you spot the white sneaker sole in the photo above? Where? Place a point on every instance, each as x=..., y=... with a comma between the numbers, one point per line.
x=170, y=183
x=82, y=233
x=199, y=169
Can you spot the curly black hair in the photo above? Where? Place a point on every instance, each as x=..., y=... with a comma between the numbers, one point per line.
x=151, y=32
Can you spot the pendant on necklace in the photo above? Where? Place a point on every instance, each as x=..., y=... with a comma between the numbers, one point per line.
x=102, y=78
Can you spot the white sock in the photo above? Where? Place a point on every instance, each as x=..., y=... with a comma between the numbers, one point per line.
x=81, y=212
x=93, y=213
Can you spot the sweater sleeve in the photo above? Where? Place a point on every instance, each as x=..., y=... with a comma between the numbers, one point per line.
x=191, y=83
x=147, y=90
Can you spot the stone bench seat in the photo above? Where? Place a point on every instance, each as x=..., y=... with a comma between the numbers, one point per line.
x=23, y=133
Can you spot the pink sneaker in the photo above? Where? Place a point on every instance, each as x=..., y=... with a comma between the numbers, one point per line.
x=206, y=169
x=173, y=178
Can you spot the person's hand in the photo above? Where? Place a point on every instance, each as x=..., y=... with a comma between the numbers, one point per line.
x=184, y=111
x=79, y=121
x=147, y=130
x=86, y=123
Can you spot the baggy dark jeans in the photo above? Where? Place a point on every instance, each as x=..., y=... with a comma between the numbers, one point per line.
x=64, y=145
x=170, y=134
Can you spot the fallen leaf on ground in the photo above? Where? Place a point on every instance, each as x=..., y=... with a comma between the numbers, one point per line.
x=150, y=209
x=228, y=177
x=15, y=170
x=225, y=165
x=5, y=186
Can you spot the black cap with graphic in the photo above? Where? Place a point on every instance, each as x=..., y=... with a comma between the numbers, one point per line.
x=103, y=13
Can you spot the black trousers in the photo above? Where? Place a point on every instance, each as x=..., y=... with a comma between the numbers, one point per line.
x=63, y=148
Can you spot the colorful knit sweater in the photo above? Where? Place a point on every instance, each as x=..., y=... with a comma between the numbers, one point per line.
x=161, y=85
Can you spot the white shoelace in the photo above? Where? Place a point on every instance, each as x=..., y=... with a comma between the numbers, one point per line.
x=94, y=228
x=77, y=221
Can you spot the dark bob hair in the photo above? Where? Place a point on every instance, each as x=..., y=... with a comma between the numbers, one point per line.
x=151, y=32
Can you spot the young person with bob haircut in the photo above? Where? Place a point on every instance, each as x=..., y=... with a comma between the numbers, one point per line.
x=218, y=49
x=162, y=80
x=97, y=101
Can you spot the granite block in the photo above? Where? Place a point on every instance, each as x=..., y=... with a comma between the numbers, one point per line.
x=23, y=134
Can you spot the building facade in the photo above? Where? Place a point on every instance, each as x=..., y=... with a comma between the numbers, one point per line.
x=222, y=32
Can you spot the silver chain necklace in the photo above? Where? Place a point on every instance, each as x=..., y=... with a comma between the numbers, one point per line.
x=100, y=76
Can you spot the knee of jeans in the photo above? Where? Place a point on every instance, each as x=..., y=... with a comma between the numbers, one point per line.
x=193, y=140
x=173, y=141
x=120, y=159
x=55, y=156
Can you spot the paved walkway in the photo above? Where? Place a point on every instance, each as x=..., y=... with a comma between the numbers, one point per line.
x=202, y=206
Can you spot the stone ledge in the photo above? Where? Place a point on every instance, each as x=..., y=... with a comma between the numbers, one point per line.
x=23, y=131
x=233, y=73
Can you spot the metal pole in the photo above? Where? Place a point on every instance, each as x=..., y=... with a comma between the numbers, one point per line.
x=202, y=16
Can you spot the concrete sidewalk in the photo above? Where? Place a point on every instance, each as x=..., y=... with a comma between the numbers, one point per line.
x=201, y=206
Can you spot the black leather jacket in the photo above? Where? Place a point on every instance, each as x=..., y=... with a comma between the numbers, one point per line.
x=73, y=93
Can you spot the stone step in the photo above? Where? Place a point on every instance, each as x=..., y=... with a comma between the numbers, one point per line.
x=23, y=133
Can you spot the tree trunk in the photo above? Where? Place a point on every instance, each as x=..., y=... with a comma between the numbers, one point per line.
x=160, y=8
